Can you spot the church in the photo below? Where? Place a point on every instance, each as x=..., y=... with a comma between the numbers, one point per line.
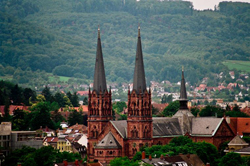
x=108, y=139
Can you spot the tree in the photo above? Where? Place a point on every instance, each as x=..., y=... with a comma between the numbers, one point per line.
x=195, y=111
x=18, y=155
x=85, y=101
x=47, y=94
x=75, y=117
x=29, y=162
x=6, y=116
x=74, y=100
x=18, y=120
x=123, y=161
x=59, y=99
x=16, y=95
x=180, y=141
x=45, y=156
x=119, y=106
x=41, y=116
x=29, y=95
x=171, y=109
x=212, y=111
x=231, y=159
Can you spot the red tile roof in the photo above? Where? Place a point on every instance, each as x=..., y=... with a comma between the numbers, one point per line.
x=51, y=139
x=14, y=107
x=240, y=125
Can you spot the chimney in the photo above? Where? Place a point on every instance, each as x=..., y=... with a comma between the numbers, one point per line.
x=143, y=155
x=208, y=164
x=76, y=162
x=19, y=164
x=65, y=162
x=150, y=157
x=161, y=157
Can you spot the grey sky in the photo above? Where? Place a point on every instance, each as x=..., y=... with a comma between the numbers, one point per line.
x=209, y=4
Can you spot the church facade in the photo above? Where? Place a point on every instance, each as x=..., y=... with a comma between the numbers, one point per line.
x=108, y=139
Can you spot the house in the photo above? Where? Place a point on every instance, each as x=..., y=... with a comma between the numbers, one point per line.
x=239, y=125
x=108, y=139
x=182, y=160
x=235, y=144
x=75, y=129
x=12, y=108
x=82, y=93
x=66, y=163
x=61, y=143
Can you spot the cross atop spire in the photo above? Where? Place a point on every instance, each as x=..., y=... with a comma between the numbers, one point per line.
x=139, y=33
x=99, y=76
x=139, y=83
x=99, y=36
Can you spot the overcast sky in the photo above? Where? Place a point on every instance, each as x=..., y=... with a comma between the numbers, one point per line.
x=209, y=4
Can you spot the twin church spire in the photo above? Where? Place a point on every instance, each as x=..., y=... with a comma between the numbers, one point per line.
x=139, y=83
x=99, y=76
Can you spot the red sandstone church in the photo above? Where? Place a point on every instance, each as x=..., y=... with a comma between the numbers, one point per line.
x=108, y=139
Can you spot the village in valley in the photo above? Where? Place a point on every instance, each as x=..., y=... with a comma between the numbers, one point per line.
x=163, y=85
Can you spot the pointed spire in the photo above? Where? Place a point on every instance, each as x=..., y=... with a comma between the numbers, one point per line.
x=139, y=73
x=139, y=28
x=99, y=76
x=183, y=93
x=99, y=36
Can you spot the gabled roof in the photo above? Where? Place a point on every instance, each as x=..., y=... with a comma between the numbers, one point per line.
x=237, y=141
x=166, y=126
x=139, y=82
x=51, y=139
x=121, y=127
x=239, y=125
x=99, y=76
x=108, y=142
x=206, y=126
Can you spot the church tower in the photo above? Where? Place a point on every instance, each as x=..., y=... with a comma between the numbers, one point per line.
x=139, y=120
x=183, y=114
x=99, y=102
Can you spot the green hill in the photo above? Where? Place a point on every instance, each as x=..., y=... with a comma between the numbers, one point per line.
x=60, y=36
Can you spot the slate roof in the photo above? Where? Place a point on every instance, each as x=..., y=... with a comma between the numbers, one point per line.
x=139, y=82
x=237, y=141
x=108, y=142
x=181, y=112
x=121, y=127
x=243, y=150
x=99, y=76
x=165, y=126
x=206, y=126
x=183, y=92
x=162, y=126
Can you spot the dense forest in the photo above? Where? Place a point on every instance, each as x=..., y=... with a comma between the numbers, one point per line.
x=58, y=37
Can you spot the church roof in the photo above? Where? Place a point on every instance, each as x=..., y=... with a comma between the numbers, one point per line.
x=182, y=112
x=206, y=126
x=121, y=127
x=139, y=82
x=237, y=140
x=183, y=92
x=99, y=76
x=108, y=141
x=165, y=126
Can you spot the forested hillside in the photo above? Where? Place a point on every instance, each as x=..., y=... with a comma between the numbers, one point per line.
x=59, y=37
